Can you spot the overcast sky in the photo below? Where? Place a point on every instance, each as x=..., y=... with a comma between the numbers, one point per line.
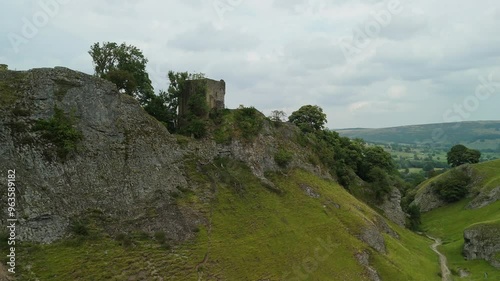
x=367, y=63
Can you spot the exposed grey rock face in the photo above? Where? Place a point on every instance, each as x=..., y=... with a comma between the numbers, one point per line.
x=309, y=191
x=364, y=260
x=392, y=207
x=372, y=236
x=482, y=241
x=259, y=154
x=125, y=162
x=428, y=200
x=485, y=198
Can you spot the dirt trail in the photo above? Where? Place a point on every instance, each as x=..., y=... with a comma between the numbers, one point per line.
x=445, y=271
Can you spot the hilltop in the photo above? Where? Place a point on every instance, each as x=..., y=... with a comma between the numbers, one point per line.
x=105, y=192
x=482, y=135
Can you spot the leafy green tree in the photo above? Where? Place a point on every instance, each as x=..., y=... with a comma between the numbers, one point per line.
x=248, y=121
x=159, y=107
x=164, y=106
x=375, y=156
x=460, y=154
x=453, y=187
x=309, y=118
x=428, y=166
x=379, y=181
x=177, y=86
x=124, y=65
x=193, y=120
x=414, y=217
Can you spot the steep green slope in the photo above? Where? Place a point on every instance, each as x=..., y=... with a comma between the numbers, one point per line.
x=489, y=174
x=253, y=232
x=450, y=221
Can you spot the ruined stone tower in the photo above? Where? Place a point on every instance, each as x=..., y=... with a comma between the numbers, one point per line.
x=215, y=92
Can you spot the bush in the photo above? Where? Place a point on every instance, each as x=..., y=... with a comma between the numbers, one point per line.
x=453, y=187
x=414, y=219
x=79, y=228
x=217, y=115
x=197, y=127
x=222, y=136
x=124, y=239
x=249, y=121
x=160, y=237
x=283, y=157
x=60, y=131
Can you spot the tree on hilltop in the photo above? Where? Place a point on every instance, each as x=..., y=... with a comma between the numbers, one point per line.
x=124, y=65
x=460, y=154
x=309, y=118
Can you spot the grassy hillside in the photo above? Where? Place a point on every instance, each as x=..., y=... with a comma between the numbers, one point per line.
x=450, y=221
x=253, y=232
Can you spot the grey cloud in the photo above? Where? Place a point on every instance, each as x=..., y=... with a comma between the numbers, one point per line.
x=206, y=38
x=404, y=26
x=284, y=54
x=314, y=53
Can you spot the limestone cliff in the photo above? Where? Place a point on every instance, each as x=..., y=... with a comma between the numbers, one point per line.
x=483, y=242
x=127, y=168
x=125, y=161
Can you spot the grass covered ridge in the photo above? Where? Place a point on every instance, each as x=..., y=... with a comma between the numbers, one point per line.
x=254, y=233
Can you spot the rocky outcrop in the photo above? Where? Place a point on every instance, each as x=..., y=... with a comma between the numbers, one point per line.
x=391, y=206
x=125, y=161
x=372, y=234
x=481, y=241
x=427, y=199
x=485, y=198
x=363, y=259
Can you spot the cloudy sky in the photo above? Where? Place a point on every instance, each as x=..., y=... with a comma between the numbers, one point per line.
x=367, y=63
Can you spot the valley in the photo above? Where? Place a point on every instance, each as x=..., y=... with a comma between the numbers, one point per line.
x=119, y=197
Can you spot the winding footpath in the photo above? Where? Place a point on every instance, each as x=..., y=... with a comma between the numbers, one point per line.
x=445, y=271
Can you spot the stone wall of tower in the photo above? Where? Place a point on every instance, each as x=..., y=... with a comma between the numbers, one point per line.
x=215, y=93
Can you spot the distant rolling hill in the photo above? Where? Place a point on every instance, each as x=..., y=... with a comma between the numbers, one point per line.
x=482, y=135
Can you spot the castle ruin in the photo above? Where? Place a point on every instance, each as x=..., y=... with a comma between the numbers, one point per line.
x=215, y=92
